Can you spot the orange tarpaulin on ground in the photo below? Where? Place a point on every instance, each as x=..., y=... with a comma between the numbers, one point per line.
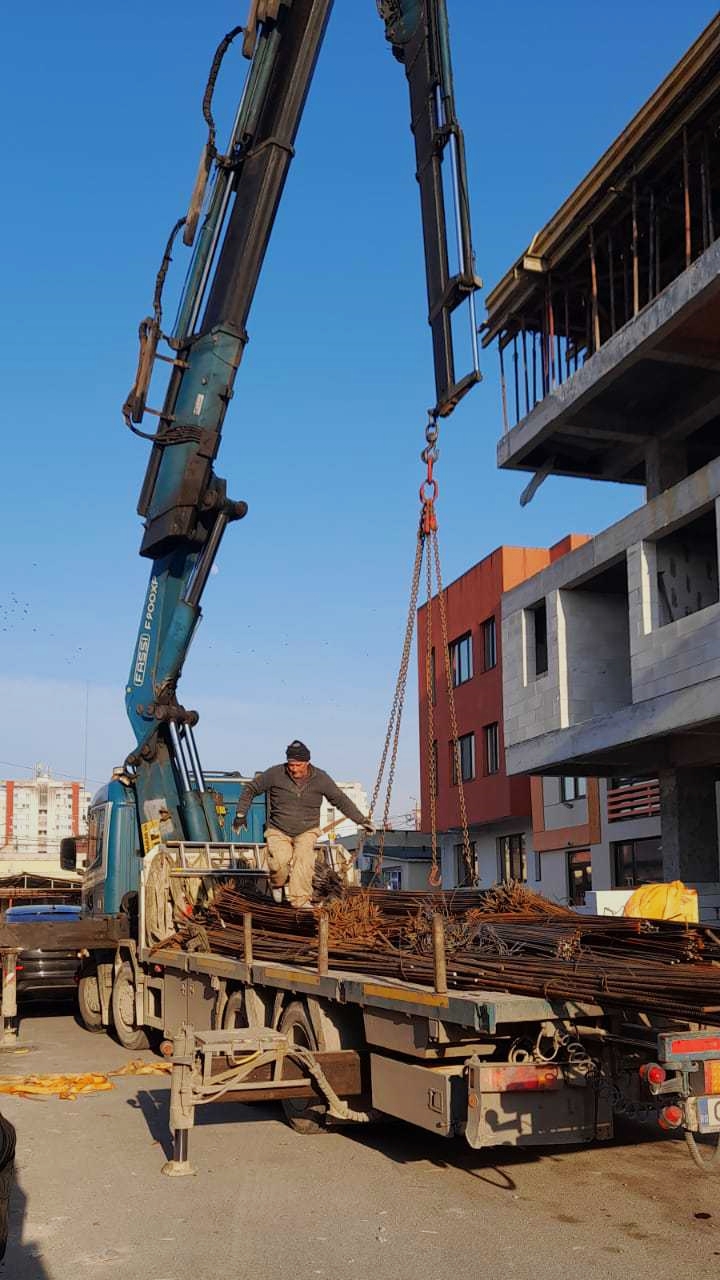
x=70, y=1086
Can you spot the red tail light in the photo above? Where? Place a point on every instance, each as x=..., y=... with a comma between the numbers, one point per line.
x=670, y=1117
x=18, y=967
x=520, y=1079
x=653, y=1073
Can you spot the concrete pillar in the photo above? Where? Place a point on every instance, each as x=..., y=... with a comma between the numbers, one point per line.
x=665, y=465
x=688, y=811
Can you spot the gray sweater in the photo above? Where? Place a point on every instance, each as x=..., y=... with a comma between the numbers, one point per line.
x=294, y=807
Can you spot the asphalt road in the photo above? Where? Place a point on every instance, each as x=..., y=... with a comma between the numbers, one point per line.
x=383, y=1203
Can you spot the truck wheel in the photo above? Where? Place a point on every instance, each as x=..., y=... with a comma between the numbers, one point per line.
x=89, y=1002
x=302, y=1116
x=123, y=1010
x=235, y=1015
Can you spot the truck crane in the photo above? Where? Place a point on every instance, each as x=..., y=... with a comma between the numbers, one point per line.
x=331, y=1046
x=183, y=502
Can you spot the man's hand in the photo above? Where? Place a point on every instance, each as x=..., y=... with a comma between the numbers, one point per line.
x=368, y=826
x=239, y=824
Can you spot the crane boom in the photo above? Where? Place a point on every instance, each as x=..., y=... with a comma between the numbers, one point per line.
x=183, y=502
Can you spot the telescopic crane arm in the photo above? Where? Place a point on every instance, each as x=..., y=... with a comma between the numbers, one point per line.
x=183, y=502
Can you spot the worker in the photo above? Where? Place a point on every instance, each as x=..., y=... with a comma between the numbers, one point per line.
x=294, y=793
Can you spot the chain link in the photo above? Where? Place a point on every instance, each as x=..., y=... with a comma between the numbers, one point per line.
x=467, y=852
x=435, y=874
x=393, y=729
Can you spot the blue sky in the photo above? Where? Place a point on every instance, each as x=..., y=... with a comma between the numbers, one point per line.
x=303, y=621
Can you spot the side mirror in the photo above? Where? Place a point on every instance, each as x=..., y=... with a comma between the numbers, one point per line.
x=68, y=853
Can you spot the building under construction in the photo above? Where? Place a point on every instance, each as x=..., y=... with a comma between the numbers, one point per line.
x=608, y=331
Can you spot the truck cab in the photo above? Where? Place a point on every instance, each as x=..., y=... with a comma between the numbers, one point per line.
x=114, y=846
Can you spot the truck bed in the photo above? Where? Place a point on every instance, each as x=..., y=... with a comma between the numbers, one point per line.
x=482, y=1011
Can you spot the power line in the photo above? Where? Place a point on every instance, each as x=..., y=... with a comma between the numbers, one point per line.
x=30, y=768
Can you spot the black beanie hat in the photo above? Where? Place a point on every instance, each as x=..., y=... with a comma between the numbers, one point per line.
x=297, y=751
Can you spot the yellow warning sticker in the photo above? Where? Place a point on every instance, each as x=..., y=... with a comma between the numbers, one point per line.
x=150, y=834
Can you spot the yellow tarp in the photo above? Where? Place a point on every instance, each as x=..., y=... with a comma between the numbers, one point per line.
x=671, y=901
x=70, y=1086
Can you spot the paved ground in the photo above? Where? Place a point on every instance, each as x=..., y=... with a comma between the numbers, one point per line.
x=389, y=1204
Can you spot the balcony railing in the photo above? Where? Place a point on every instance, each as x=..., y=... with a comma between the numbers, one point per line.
x=633, y=800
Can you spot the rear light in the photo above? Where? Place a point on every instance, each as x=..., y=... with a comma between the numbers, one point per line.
x=520, y=1079
x=712, y=1077
x=18, y=967
x=698, y=1044
x=670, y=1117
x=653, y=1074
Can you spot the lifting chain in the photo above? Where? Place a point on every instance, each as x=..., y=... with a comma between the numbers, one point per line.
x=427, y=546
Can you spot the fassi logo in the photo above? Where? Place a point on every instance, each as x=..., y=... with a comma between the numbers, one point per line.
x=144, y=641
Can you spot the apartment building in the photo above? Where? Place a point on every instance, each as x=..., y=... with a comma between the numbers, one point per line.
x=595, y=836
x=332, y=822
x=498, y=806
x=35, y=814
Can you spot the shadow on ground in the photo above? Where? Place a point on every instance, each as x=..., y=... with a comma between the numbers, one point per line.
x=401, y=1143
x=23, y=1260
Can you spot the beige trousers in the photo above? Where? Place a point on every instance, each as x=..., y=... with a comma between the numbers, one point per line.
x=291, y=860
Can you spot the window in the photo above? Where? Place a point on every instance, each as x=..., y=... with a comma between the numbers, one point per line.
x=489, y=642
x=637, y=862
x=466, y=749
x=492, y=748
x=463, y=874
x=512, y=858
x=96, y=832
x=573, y=788
x=461, y=659
x=392, y=877
x=537, y=858
x=579, y=876
x=538, y=619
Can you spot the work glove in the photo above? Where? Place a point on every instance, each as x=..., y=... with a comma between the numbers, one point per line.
x=368, y=827
x=239, y=824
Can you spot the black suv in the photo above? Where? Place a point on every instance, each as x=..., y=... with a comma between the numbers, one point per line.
x=47, y=972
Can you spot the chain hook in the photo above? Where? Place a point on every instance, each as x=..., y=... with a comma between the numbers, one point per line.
x=429, y=486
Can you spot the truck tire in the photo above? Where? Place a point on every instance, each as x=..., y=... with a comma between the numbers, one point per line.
x=89, y=1002
x=123, y=1010
x=303, y=1117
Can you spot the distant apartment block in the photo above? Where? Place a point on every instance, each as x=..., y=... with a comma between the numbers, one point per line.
x=35, y=814
x=331, y=818
x=608, y=330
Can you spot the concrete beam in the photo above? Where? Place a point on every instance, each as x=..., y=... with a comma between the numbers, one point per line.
x=657, y=730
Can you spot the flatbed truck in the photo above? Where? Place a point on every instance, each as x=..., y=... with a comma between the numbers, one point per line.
x=336, y=1047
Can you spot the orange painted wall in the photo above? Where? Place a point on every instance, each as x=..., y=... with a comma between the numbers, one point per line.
x=470, y=600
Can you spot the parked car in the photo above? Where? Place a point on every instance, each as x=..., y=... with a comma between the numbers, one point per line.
x=47, y=972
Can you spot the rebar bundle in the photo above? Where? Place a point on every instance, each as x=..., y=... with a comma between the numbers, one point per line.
x=533, y=950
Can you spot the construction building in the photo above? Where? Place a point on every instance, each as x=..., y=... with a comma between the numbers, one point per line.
x=498, y=806
x=35, y=815
x=608, y=328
